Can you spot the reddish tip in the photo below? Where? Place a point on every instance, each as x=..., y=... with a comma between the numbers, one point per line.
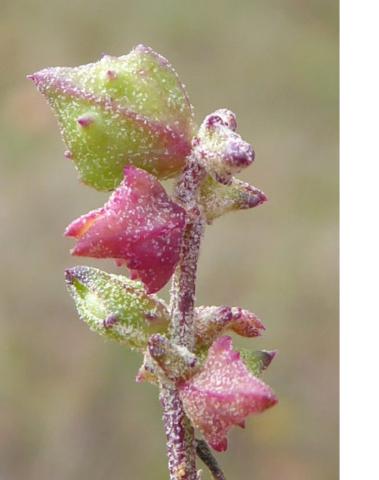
x=69, y=275
x=35, y=77
x=268, y=357
x=110, y=321
x=85, y=120
x=252, y=197
x=262, y=197
x=240, y=154
x=221, y=446
x=111, y=75
x=39, y=78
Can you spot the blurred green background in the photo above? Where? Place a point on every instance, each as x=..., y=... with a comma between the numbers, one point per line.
x=70, y=408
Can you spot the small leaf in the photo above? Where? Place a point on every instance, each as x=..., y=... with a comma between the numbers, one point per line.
x=115, y=306
x=218, y=199
x=257, y=361
x=119, y=111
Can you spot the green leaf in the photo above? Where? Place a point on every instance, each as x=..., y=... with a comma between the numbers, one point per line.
x=119, y=111
x=115, y=306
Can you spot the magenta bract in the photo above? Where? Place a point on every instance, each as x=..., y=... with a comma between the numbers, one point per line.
x=139, y=226
x=223, y=394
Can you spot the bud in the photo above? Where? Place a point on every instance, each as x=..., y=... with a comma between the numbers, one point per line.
x=139, y=226
x=211, y=322
x=176, y=361
x=123, y=110
x=115, y=306
x=257, y=361
x=223, y=394
x=218, y=199
x=222, y=151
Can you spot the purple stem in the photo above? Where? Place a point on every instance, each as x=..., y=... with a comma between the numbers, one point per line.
x=181, y=447
x=205, y=454
x=180, y=436
x=184, y=284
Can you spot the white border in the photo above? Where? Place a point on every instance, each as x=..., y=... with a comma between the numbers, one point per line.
x=359, y=240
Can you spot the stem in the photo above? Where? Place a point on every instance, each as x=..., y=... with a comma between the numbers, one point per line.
x=205, y=454
x=183, y=290
x=180, y=436
x=181, y=449
x=184, y=283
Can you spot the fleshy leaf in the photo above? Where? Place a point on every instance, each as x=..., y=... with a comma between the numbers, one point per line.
x=211, y=322
x=139, y=226
x=222, y=150
x=176, y=361
x=257, y=361
x=218, y=199
x=123, y=110
x=223, y=394
x=115, y=306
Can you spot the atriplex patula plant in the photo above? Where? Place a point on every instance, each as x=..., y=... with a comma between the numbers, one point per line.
x=127, y=122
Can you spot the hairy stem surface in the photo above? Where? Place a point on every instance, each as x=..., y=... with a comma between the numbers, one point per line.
x=181, y=448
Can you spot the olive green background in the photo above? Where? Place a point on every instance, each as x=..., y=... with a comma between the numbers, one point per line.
x=69, y=406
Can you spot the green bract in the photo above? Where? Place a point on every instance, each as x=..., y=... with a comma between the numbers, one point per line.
x=257, y=361
x=115, y=306
x=123, y=110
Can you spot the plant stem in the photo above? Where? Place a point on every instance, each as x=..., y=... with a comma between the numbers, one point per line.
x=180, y=436
x=181, y=448
x=184, y=285
x=205, y=454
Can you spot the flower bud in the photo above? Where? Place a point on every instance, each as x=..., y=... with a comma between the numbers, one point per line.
x=218, y=199
x=115, y=306
x=211, y=322
x=176, y=361
x=123, y=110
x=223, y=152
